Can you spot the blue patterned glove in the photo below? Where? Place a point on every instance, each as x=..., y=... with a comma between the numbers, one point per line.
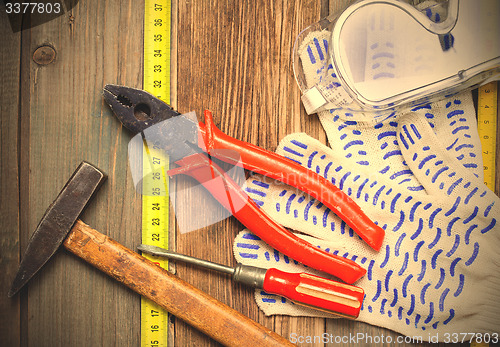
x=438, y=269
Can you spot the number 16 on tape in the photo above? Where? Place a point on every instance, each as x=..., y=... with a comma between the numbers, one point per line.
x=155, y=201
x=155, y=221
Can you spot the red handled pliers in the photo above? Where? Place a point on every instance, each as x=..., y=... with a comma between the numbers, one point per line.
x=127, y=103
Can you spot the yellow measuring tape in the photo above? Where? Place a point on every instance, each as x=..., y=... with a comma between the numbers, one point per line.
x=487, y=128
x=155, y=201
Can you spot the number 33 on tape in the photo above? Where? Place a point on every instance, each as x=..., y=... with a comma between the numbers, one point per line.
x=155, y=202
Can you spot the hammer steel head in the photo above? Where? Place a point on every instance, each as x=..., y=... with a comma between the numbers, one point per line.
x=57, y=222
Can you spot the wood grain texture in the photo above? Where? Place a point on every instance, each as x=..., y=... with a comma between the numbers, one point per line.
x=66, y=122
x=232, y=57
x=235, y=58
x=200, y=310
x=10, y=51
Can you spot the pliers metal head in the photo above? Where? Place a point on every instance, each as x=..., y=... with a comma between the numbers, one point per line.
x=141, y=112
x=136, y=109
x=180, y=135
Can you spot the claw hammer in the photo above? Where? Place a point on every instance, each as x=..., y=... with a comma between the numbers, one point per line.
x=60, y=225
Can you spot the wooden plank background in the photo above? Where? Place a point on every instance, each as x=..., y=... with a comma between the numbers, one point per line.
x=232, y=57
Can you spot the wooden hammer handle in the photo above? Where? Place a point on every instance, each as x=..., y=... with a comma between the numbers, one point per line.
x=197, y=308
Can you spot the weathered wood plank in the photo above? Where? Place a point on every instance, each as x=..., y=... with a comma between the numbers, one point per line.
x=235, y=58
x=71, y=303
x=232, y=57
x=10, y=50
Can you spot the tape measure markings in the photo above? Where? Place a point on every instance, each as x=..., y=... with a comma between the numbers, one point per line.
x=157, y=27
x=487, y=109
x=487, y=128
x=154, y=320
x=155, y=199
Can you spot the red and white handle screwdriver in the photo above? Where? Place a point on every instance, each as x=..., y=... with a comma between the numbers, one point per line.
x=302, y=288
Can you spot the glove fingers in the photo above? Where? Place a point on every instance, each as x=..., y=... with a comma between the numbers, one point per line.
x=314, y=56
x=376, y=145
x=378, y=197
x=370, y=147
x=436, y=168
x=296, y=210
x=249, y=249
x=293, y=208
x=272, y=304
x=453, y=120
x=317, y=157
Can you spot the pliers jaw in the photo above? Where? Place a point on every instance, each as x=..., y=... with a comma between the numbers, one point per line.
x=136, y=109
x=178, y=137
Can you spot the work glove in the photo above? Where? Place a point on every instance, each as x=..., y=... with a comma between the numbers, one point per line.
x=418, y=175
x=438, y=268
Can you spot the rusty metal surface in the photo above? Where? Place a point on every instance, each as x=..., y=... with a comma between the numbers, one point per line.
x=57, y=222
x=136, y=109
x=158, y=124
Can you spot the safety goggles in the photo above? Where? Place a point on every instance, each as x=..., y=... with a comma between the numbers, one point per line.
x=384, y=54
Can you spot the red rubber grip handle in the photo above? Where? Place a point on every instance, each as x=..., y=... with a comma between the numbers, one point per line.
x=232, y=197
x=316, y=292
x=285, y=170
